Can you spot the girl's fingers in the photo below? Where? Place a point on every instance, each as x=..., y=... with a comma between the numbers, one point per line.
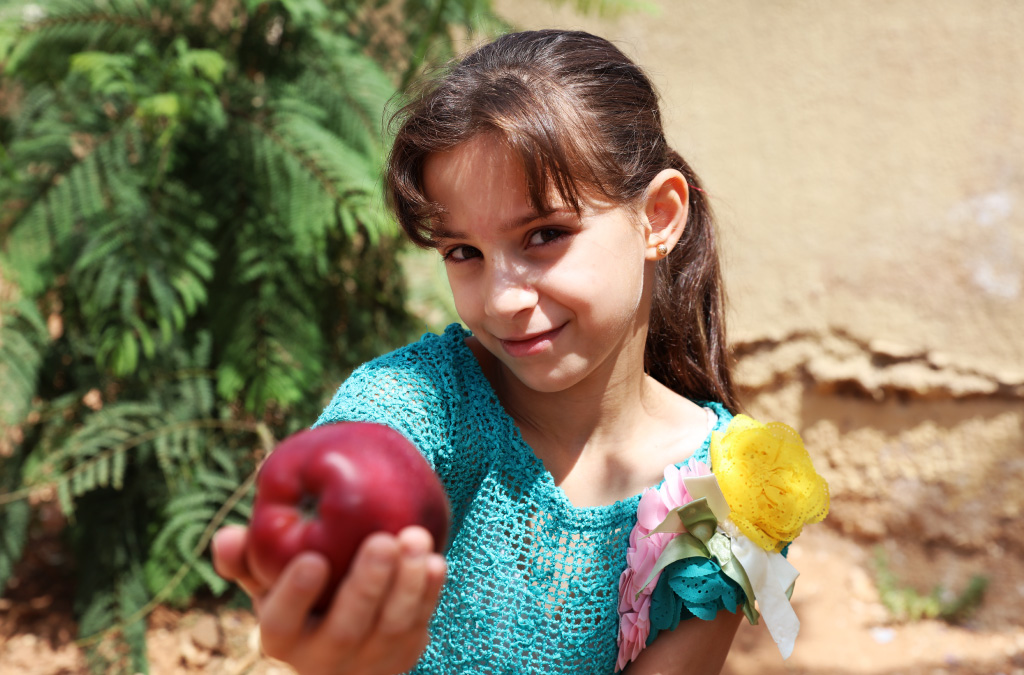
x=437, y=571
x=285, y=609
x=357, y=603
x=228, y=549
x=403, y=608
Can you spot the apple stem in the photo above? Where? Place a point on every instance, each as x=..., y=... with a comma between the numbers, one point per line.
x=307, y=505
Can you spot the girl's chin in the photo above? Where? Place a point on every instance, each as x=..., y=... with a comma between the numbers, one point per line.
x=542, y=380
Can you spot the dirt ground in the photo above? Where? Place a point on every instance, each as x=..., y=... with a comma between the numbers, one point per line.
x=845, y=629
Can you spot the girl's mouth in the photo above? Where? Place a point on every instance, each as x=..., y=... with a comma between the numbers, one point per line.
x=531, y=346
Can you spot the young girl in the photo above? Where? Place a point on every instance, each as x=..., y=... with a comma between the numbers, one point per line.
x=592, y=366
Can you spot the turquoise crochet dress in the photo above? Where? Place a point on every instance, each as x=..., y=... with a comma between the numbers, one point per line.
x=533, y=580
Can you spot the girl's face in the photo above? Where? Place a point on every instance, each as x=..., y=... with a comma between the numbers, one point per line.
x=555, y=298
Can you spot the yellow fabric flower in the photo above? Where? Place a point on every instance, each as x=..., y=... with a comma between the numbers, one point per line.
x=768, y=480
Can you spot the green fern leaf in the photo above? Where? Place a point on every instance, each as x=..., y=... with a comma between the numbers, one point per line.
x=132, y=596
x=23, y=337
x=14, y=520
x=120, y=466
x=67, y=504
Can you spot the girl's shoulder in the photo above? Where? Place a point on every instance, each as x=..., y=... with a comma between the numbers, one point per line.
x=418, y=376
x=708, y=539
x=420, y=389
x=434, y=362
x=722, y=415
x=432, y=350
x=745, y=459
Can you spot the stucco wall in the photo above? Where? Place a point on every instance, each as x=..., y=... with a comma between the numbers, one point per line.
x=866, y=159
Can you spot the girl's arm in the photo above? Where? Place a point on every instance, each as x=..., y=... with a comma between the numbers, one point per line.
x=377, y=623
x=695, y=647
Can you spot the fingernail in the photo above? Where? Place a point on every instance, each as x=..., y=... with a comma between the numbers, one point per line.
x=436, y=564
x=416, y=548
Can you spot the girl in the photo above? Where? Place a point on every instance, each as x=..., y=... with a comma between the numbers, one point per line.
x=581, y=255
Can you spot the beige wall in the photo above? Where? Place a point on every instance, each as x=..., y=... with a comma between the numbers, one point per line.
x=866, y=159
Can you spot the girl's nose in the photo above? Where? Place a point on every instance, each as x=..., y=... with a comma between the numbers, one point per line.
x=508, y=290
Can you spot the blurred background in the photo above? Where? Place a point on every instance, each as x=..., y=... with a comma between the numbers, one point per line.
x=194, y=254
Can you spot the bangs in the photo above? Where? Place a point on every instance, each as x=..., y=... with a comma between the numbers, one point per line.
x=560, y=150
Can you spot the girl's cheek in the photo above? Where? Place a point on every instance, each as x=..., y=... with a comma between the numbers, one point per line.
x=460, y=296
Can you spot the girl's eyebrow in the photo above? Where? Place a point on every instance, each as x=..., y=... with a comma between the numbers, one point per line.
x=440, y=233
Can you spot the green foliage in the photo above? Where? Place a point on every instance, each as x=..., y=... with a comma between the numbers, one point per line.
x=611, y=8
x=14, y=520
x=907, y=604
x=413, y=35
x=23, y=338
x=193, y=253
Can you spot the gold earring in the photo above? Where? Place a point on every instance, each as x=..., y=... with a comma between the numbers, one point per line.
x=662, y=250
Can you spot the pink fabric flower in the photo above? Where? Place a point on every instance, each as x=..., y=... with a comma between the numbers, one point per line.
x=642, y=554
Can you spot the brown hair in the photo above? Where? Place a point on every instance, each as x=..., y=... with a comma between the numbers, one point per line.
x=584, y=120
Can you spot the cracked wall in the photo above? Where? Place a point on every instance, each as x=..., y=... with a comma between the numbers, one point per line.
x=866, y=163
x=910, y=442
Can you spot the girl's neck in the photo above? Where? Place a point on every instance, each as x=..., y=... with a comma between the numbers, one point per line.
x=601, y=411
x=607, y=437
x=600, y=416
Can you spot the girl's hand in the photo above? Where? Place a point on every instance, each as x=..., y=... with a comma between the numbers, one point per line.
x=377, y=622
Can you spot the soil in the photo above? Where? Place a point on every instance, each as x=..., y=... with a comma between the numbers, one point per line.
x=845, y=628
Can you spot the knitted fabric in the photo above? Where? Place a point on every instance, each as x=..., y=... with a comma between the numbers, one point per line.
x=532, y=579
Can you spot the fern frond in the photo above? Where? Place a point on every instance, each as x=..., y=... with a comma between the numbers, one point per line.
x=98, y=613
x=116, y=605
x=140, y=275
x=351, y=89
x=76, y=190
x=195, y=517
x=14, y=518
x=310, y=172
x=132, y=596
x=74, y=467
x=23, y=338
x=64, y=498
x=13, y=535
x=60, y=27
x=270, y=327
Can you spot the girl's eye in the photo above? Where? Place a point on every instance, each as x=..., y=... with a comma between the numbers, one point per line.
x=545, y=235
x=460, y=253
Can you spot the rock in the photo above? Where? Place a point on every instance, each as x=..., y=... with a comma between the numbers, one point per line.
x=192, y=655
x=206, y=634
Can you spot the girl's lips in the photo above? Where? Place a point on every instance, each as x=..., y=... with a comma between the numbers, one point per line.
x=531, y=346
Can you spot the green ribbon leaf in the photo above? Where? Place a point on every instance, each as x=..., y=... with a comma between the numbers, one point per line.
x=682, y=546
x=698, y=537
x=688, y=517
x=720, y=547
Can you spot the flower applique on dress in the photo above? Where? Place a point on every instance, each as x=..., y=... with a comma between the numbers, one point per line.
x=733, y=518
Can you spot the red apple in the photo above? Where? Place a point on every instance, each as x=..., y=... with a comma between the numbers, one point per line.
x=327, y=489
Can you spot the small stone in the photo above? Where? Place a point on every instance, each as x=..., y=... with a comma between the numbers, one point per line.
x=193, y=656
x=206, y=633
x=254, y=639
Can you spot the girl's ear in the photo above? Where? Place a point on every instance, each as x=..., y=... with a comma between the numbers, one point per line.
x=665, y=211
